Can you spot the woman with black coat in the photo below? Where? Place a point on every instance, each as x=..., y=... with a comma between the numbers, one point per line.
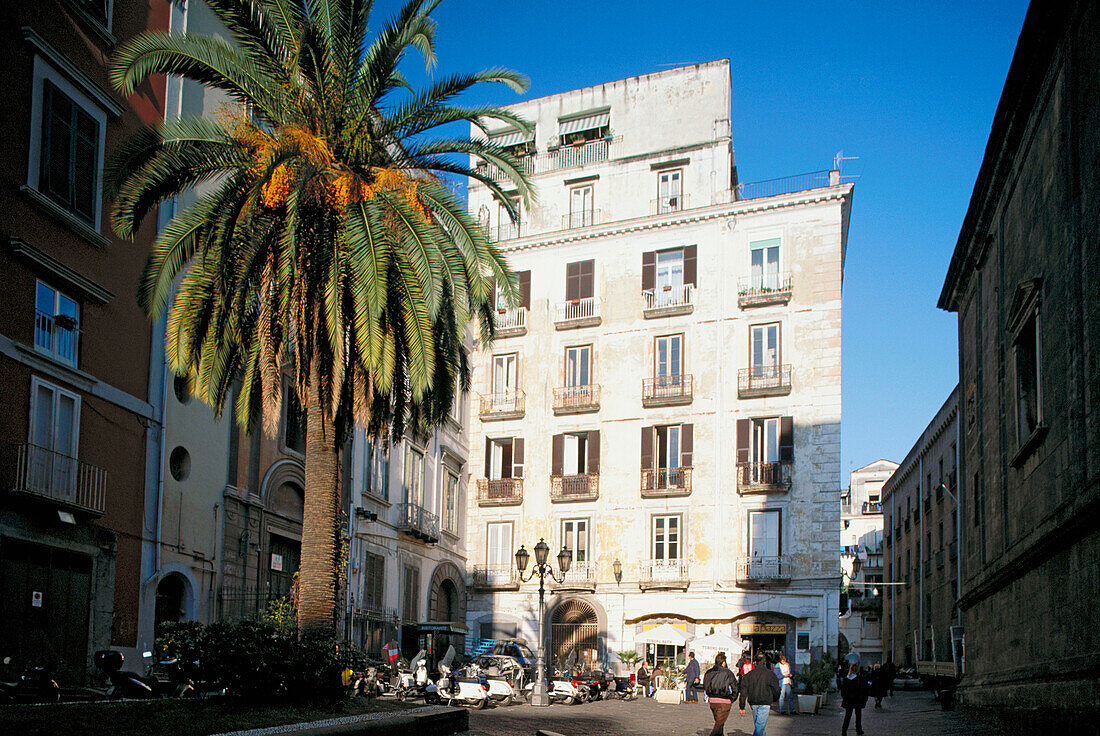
x=854, y=689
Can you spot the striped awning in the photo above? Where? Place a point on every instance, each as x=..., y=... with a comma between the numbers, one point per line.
x=511, y=138
x=585, y=122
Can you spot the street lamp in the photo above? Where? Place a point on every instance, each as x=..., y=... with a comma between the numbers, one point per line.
x=543, y=569
x=617, y=570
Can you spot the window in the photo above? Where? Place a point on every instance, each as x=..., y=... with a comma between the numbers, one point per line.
x=580, y=206
x=457, y=399
x=577, y=366
x=504, y=380
x=764, y=348
x=411, y=609
x=668, y=446
x=666, y=538
x=580, y=280
x=668, y=366
x=376, y=468
x=506, y=229
x=1025, y=355
x=765, y=440
x=669, y=277
x=56, y=324
x=374, y=581
x=585, y=128
x=764, y=264
x=667, y=456
x=574, y=537
x=450, y=501
x=294, y=422
x=54, y=436
x=498, y=553
x=504, y=458
x=413, y=488
x=669, y=193
x=69, y=162
x=764, y=534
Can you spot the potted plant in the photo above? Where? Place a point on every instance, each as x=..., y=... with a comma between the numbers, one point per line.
x=816, y=677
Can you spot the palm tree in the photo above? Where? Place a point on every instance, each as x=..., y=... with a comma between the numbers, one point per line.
x=326, y=240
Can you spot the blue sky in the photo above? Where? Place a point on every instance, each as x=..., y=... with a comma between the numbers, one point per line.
x=910, y=88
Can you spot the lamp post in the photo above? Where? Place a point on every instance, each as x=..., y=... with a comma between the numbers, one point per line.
x=543, y=569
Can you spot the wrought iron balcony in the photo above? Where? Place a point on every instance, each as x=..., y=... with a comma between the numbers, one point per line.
x=577, y=154
x=871, y=508
x=511, y=321
x=495, y=577
x=784, y=185
x=664, y=575
x=57, y=335
x=418, y=522
x=582, y=218
x=508, y=230
x=41, y=473
x=507, y=405
x=763, y=380
x=667, y=390
x=668, y=204
x=565, y=488
x=499, y=491
x=577, y=313
x=581, y=577
x=576, y=399
x=762, y=290
x=753, y=477
x=526, y=165
x=667, y=301
x=756, y=570
x=666, y=482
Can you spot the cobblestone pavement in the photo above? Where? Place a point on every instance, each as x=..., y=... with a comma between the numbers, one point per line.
x=905, y=714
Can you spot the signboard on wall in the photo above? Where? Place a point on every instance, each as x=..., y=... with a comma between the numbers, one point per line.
x=751, y=629
x=276, y=562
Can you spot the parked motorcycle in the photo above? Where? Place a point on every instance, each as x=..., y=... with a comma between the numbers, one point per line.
x=163, y=678
x=455, y=688
x=417, y=684
x=621, y=688
x=504, y=676
x=30, y=685
x=562, y=690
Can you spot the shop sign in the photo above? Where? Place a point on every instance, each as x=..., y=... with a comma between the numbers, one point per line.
x=752, y=629
x=276, y=562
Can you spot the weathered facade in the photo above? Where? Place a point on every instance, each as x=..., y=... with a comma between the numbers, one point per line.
x=1023, y=282
x=861, y=548
x=664, y=394
x=79, y=403
x=921, y=549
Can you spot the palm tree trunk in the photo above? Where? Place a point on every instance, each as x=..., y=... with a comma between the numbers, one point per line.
x=317, y=579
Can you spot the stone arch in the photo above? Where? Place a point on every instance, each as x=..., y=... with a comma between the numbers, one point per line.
x=191, y=599
x=279, y=474
x=447, y=590
x=174, y=600
x=578, y=624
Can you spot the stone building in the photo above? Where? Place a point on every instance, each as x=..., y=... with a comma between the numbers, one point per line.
x=921, y=549
x=664, y=395
x=1023, y=283
x=80, y=405
x=861, y=548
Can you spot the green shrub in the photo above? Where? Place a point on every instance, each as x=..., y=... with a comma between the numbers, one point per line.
x=819, y=674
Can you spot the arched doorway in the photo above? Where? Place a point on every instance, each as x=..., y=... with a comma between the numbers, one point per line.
x=171, y=600
x=574, y=634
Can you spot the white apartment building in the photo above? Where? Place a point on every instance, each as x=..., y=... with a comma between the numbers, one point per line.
x=861, y=539
x=664, y=396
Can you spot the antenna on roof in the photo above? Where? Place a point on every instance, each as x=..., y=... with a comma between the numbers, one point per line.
x=838, y=162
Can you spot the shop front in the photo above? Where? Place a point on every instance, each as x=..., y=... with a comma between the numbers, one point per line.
x=435, y=636
x=772, y=638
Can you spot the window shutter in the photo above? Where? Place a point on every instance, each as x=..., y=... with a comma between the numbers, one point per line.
x=488, y=457
x=744, y=435
x=493, y=291
x=786, y=439
x=572, y=282
x=557, y=454
x=517, y=457
x=649, y=270
x=525, y=289
x=587, y=278
x=689, y=265
x=594, y=452
x=687, y=440
x=506, y=460
x=647, y=448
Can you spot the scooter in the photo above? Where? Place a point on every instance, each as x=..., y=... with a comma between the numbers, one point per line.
x=621, y=688
x=505, y=688
x=417, y=683
x=163, y=679
x=32, y=685
x=453, y=689
x=562, y=690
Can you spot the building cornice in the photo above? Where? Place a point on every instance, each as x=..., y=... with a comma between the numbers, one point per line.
x=77, y=77
x=73, y=279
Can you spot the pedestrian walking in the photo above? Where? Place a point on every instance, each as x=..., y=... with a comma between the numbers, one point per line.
x=691, y=680
x=744, y=665
x=853, y=698
x=761, y=689
x=643, y=678
x=889, y=672
x=878, y=684
x=720, y=686
x=784, y=684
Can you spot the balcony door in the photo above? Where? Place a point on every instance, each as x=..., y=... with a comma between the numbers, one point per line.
x=668, y=191
x=765, y=350
x=665, y=550
x=498, y=552
x=763, y=540
x=765, y=264
x=670, y=278
x=575, y=454
x=54, y=436
x=574, y=537
x=504, y=381
x=580, y=206
x=414, y=477
x=668, y=360
x=577, y=366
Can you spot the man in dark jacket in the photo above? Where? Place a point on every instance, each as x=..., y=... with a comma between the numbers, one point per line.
x=853, y=697
x=721, y=688
x=761, y=689
x=691, y=679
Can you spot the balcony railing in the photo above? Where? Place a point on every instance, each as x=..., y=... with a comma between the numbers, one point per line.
x=668, y=300
x=499, y=491
x=764, y=380
x=577, y=313
x=579, y=154
x=666, y=482
x=526, y=165
x=508, y=230
x=565, y=488
x=511, y=321
x=871, y=508
x=507, y=405
x=667, y=390
x=762, y=290
x=664, y=574
x=754, y=477
x=495, y=577
x=758, y=570
x=418, y=522
x=42, y=473
x=582, y=218
x=576, y=399
x=670, y=203
x=783, y=185
x=581, y=576
x=57, y=335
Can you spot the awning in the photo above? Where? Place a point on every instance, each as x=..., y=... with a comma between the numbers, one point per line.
x=585, y=122
x=663, y=634
x=445, y=627
x=717, y=643
x=511, y=138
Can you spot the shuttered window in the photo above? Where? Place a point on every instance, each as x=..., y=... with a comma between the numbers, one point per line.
x=410, y=610
x=504, y=458
x=575, y=453
x=670, y=268
x=580, y=280
x=756, y=442
x=374, y=581
x=667, y=446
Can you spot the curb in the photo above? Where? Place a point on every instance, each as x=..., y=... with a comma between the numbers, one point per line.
x=433, y=720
